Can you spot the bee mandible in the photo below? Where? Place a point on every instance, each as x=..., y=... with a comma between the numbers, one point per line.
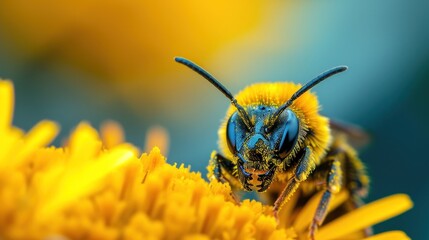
x=273, y=140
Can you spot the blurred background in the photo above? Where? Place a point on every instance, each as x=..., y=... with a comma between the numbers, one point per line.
x=97, y=60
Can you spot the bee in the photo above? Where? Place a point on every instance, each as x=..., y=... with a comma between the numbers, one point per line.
x=274, y=141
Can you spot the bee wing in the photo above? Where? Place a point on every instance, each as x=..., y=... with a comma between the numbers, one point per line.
x=355, y=134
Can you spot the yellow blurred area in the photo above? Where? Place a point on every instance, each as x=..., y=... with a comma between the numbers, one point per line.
x=157, y=136
x=127, y=40
x=123, y=38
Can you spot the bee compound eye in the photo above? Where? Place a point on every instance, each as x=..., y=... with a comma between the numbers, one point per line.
x=290, y=135
x=231, y=136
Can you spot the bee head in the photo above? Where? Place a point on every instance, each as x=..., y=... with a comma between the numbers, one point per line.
x=261, y=137
x=262, y=143
x=262, y=148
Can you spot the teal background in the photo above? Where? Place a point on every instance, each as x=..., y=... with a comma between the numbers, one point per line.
x=385, y=44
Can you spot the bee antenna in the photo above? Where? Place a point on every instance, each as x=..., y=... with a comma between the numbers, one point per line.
x=241, y=112
x=307, y=87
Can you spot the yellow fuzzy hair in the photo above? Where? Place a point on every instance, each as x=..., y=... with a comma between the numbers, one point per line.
x=305, y=107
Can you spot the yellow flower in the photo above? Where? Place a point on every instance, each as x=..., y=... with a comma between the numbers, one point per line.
x=100, y=188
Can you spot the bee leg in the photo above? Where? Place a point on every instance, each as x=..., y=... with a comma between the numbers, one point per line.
x=300, y=175
x=221, y=163
x=331, y=174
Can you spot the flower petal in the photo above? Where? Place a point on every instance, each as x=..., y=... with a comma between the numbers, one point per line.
x=39, y=136
x=366, y=216
x=157, y=136
x=6, y=105
x=306, y=214
x=391, y=235
x=80, y=180
x=112, y=134
x=84, y=142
